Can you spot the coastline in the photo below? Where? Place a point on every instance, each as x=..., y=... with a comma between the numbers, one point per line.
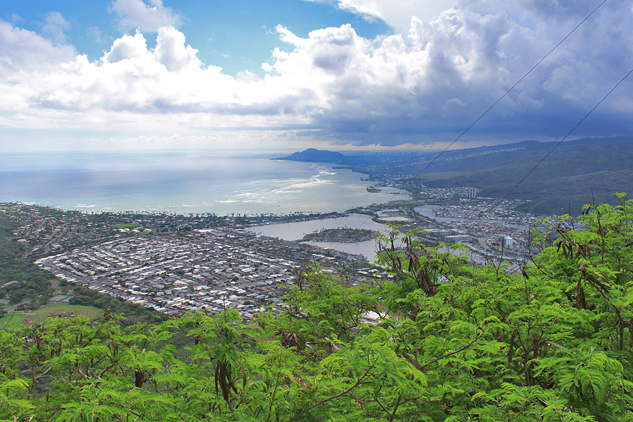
x=181, y=183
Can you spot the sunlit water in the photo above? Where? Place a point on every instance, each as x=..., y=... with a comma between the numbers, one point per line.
x=182, y=182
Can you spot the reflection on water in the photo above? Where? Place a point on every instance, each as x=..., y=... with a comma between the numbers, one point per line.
x=181, y=182
x=296, y=231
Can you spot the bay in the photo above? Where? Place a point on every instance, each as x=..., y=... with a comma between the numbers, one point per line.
x=181, y=182
x=296, y=231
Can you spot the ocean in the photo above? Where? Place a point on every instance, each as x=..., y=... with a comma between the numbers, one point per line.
x=180, y=182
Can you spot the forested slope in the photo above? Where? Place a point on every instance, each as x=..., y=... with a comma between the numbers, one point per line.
x=451, y=342
x=574, y=174
x=14, y=267
x=571, y=174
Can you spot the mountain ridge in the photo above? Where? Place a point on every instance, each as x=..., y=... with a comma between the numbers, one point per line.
x=572, y=174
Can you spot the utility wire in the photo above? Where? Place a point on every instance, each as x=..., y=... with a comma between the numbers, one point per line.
x=9, y=320
x=568, y=134
x=498, y=202
x=492, y=106
x=502, y=97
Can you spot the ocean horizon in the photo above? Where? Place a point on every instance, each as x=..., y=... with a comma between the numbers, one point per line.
x=181, y=182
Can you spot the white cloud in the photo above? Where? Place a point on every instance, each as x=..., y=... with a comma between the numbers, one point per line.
x=127, y=48
x=16, y=19
x=397, y=89
x=172, y=53
x=399, y=13
x=54, y=27
x=22, y=50
x=94, y=32
x=133, y=14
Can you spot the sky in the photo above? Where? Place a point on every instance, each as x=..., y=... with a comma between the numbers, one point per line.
x=293, y=74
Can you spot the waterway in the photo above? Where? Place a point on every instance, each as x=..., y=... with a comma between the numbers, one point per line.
x=296, y=231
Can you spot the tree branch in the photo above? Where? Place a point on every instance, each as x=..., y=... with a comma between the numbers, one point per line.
x=395, y=409
x=358, y=382
x=414, y=363
x=551, y=343
x=451, y=353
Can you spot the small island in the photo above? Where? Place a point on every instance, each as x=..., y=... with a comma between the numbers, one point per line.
x=344, y=234
x=373, y=189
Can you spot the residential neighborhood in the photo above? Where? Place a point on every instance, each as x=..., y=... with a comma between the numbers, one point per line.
x=210, y=270
x=177, y=263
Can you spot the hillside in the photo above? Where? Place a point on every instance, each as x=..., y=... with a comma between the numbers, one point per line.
x=565, y=181
x=312, y=155
x=571, y=176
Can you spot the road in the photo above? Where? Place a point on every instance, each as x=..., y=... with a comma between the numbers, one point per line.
x=12, y=307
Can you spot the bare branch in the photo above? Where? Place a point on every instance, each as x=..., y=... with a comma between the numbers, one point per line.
x=551, y=343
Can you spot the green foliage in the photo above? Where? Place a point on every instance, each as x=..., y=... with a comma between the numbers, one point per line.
x=447, y=341
x=133, y=312
x=126, y=226
x=14, y=267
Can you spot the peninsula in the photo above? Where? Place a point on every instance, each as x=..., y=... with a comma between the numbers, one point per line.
x=344, y=234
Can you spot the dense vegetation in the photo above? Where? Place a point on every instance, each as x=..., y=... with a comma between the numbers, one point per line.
x=341, y=234
x=130, y=312
x=451, y=342
x=34, y=283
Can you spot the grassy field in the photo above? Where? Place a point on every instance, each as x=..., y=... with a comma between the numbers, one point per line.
x=14, y=319
x=126, y=226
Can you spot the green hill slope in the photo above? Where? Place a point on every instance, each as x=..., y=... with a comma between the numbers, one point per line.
x=568, y=176
x=565, y=180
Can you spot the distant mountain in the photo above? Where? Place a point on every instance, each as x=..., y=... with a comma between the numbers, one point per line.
x=573, y=174
x=389, y=160
x=312, y=155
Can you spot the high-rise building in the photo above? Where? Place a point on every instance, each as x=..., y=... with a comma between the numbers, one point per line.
x=472, y=193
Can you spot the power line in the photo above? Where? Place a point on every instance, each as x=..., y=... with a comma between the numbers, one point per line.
x=492, y=106
x=496, y=203
x=503, y=96
x=568, y=134
x=9, y=320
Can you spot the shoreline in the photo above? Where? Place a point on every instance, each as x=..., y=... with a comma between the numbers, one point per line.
x=204, y=184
